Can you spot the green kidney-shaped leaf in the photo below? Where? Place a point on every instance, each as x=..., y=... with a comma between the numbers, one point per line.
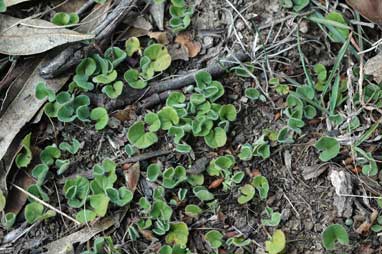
x=113, y=91
x=178, y=234
x=24, y=157
x=193, y=210
x=228, y=112
x=99, y=203
x=262, y=186
x=133, y=79
x=42, y=91
x=329, y=148
x=216, y=138
x=168, y=117
x=276, y=243
x=132, y=45
x=247, y=194
x=50, y=154
x=153, y=171
x=85, y=216
x=139, y=138
x=214, y=238
x=332, y=234
x=33, y=211
x=101, y=117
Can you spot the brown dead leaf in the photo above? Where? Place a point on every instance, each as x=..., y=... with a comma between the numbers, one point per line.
x=370, y=9
x=33, y=36
x=374, y=67
x=147, y=234
x=193, y=47
x=216, y=183
x=82, y=236
x=132, y=176
x=364, y=228
x=125, y=114
x=161, y=37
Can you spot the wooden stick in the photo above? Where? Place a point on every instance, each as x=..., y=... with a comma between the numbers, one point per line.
x=145, y=156
x=46, y=204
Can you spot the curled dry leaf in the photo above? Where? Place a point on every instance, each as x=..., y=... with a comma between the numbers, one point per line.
x=374, y=67
x=193, y=47
x=33, y=36
x=370, y=9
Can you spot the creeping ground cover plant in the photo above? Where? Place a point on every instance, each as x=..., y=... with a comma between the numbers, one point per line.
x=198, y=114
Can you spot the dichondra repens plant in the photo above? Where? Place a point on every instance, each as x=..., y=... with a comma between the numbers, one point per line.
x=198, y=114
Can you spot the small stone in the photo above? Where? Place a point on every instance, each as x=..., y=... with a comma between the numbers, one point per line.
x=308, y=225
x=303, y=27
x=285, y=214
x=208, y=42
x=240, y=25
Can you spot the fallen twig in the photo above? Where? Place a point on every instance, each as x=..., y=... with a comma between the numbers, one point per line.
x=145, y=156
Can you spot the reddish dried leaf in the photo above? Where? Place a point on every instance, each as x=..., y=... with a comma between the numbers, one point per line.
x=216, y=183
x=193, y=47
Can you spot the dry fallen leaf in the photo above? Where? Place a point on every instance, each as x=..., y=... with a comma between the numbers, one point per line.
x=33, y=36
x=374, y=67
x=161, y=37
x=132, y=176
x=370, y=9
x=193, y=47
x=364, y=228
x=85, y=234
x=216, y=183
x=14, y=2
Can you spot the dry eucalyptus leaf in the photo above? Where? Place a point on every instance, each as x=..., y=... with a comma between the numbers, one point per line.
x=33, y=36
x=24, y=106
x=374, y=67
x=63, y=244
x=14, y=2
x=370, y=9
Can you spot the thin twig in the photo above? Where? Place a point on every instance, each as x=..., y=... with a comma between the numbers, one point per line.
x=146, y=156
x=46, y=204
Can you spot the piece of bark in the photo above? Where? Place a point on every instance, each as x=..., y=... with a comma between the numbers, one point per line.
x=310, y=172
x=71, y=56
x=157, y=12
x=343, y=185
